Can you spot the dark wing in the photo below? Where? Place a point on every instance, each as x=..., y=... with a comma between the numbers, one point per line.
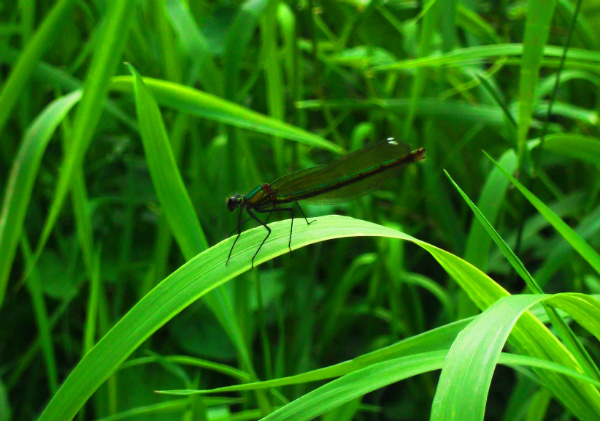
x=350, y=176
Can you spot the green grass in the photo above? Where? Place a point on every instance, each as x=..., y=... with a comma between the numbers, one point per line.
x=464, y=290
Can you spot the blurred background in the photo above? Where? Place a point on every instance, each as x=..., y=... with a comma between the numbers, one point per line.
x=289, y=85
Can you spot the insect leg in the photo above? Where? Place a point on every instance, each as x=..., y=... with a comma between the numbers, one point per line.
x=302, y=212
x=290, y=210
x=244, y=223
x=238, y=236
x=264, y=225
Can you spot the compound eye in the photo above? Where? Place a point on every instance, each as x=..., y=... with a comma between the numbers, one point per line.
x=233, y=202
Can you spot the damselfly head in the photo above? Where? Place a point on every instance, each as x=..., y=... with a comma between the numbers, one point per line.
x=234, y=201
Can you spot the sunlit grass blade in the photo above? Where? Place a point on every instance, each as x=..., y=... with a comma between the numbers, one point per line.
x=166, y=178
x=207, y=271
x=202, y=104
x=490, y=202
x=176, y=202
x=583, y=248
x=514, y=360
x=469, y=366
x=22, y=177
x=381, y=374
x=508, y=253
x=437, y=339
x=571, y=341
x=356, y=384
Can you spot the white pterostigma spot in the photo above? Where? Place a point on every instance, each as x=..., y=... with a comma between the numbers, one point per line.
x=391, y=141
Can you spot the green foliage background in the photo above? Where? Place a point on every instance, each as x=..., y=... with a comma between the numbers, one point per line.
x=125, y=124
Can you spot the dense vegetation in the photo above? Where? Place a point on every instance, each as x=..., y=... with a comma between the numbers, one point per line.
x=125, y=124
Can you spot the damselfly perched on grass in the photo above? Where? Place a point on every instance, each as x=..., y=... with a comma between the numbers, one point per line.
x=345, y=178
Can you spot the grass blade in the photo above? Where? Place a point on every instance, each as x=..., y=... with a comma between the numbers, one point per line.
x=468, y=369
x=39, y=44
x=209, y=106
x=166, y=178
x=22, y=176
x=110, y=46
x=583, y=248
x=537, y=30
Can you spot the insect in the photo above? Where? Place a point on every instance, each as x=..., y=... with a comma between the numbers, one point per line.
x=345, y=178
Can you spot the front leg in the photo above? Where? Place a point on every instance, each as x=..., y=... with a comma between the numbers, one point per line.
x=290, y=210
x=239, y=228
x=264, y=225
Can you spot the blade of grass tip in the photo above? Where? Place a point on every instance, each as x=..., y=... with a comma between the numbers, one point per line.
x=21, y=179
x=490, y=202
x=33, y=52
x=583, y=248
x=354, y=385
x=104, y=64
x=506, y=250
x=166, y=178
x=438, y=339
x=566, y=334
x=512, y=360
x=537, y=30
